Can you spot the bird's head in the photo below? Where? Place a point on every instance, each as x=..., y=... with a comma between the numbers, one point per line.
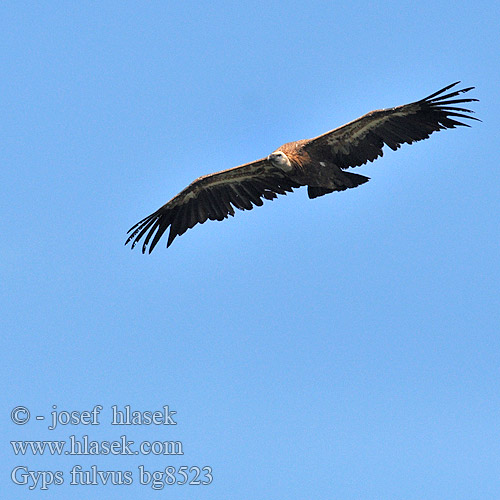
x=280, y=160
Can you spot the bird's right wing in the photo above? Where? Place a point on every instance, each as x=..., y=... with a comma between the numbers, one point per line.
x=212, y=197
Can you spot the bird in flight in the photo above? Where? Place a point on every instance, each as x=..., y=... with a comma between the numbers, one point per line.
x=317, y=163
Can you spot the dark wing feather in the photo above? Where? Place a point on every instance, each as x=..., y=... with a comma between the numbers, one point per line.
x=362, y=140
x=212, y=197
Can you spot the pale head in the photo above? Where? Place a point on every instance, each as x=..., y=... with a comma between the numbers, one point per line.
x=280, y=160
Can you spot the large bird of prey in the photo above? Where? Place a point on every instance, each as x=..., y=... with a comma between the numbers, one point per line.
x=317, y=163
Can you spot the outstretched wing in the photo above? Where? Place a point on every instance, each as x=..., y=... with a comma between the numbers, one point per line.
x=362, y=140
x=212, y=197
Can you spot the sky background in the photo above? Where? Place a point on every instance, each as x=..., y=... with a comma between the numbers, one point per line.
x=339, y=348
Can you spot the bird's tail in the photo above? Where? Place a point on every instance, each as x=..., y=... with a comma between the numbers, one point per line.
x=346, y=181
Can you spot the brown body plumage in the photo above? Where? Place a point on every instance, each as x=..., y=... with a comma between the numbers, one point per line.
x=317, y=163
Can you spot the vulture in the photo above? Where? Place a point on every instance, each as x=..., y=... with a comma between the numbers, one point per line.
x=319, y=163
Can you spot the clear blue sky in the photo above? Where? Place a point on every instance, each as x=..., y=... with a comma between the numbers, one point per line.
x=339, y=348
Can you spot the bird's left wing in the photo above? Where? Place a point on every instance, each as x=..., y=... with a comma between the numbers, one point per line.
x=362, y=140
x=212, y=197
